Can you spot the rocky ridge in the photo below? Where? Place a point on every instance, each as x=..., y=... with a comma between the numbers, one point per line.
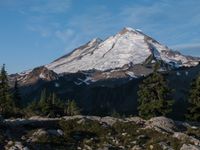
x=93, y=132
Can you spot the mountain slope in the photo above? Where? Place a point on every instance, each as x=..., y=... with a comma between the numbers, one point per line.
x=127, y=47
x=103, y=76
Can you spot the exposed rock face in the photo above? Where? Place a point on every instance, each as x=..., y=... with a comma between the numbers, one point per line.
x=33, y=76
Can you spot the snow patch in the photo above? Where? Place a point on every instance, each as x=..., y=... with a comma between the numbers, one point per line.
x=42, y=76
x=131, y=74
x=86, y=81
x=139, y=30
x=78, y=83
x=130, y=29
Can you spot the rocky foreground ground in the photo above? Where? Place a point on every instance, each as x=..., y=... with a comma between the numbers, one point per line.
x=101, y=133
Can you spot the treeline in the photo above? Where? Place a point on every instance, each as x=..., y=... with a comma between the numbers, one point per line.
x=9, y=100
x=154, y=99
x=48, y=104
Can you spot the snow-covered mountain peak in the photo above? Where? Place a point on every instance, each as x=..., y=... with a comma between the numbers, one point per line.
x=129, y=46
x=95, y=41
x=129, y=29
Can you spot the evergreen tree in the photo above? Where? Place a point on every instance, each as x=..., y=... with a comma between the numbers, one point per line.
x=6, y=104
x=72, y=108
x=17, y=96
x=44, y=103
x=50, y=105
x=194, y=101
x=56, y=106
x=32, y=109
x=154, y=96
x=43, y=98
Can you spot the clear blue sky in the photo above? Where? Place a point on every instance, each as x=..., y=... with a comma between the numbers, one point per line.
x=35, y=32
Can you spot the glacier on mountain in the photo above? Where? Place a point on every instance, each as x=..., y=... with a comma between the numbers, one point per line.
x=129, y=46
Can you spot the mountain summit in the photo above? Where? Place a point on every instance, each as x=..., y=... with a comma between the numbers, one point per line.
x=104, y=75
x=129, y=46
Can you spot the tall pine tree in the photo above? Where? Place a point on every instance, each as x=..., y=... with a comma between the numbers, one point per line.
x=72, y=108
x=154, y=97
x=16, y=95
x=44, y=103
x=50, y=105
x=6, y=104
x=43, y=98
x=194, y=101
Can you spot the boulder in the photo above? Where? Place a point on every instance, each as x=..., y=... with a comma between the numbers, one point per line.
x=136, y=147
x=110, y=120
x=40, y=132
x=185, y=137
x=94, y=118
x=136, y=120
x=165, y=146
x=189, y=147
x=15, y=146
x=37, y=134
x=162, y=124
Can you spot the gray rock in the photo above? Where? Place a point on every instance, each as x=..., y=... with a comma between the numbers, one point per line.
x=87, y=147
x=37, y=134
x=17, y=146
x=10, y=143
x=162, y=124
x=165, y=146
x=60, y=132
x=73, y=117
x=141, y=137
x=185, y=137
x=136, y=147
x=94, y=118
x=82, y=120
x=189, y=147
x=110, y=120
x=40, y=132
x=136, y=120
